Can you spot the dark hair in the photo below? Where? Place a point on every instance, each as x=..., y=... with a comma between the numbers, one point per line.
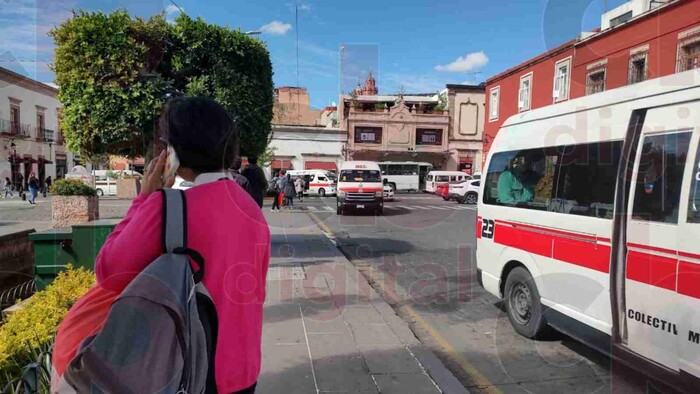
x=202, y=133
x=237, y=163
x=253, y=160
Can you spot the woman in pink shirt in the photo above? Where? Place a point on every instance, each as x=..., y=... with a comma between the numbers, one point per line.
x=224, y=224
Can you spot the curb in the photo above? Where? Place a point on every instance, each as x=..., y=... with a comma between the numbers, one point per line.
x=436, y=369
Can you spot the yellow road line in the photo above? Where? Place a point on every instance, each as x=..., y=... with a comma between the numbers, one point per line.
x=476, y=377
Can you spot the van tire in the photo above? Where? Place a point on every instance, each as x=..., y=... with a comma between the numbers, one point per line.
x=522, y=302
x=446, y=198
x=100, y=193
x=322, y=192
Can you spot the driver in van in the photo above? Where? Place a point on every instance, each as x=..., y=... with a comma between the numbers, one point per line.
x=516, y=184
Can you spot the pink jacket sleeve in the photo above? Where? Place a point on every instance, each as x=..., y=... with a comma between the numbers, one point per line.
x=134, y=243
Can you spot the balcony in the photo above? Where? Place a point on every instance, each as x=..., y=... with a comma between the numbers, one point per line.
x=44, y=135
x=14, y=129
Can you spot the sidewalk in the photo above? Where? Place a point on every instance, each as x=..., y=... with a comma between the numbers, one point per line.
x=327, y=330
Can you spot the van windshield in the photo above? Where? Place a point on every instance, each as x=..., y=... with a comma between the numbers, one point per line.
x=360, y=176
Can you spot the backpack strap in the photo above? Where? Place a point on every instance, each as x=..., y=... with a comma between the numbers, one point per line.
x=175, y=229
x=174, y=220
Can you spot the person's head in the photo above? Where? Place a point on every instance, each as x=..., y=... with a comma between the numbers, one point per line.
x=201, y=132
x=32, y=175
x=253, y=160
x=237, y=163
x=289, y=176
x=283, y=173
x=7, y=179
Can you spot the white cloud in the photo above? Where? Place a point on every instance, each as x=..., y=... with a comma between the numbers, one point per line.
x=465, y=63
x=304, y=7
x=411, y=83
x=276, y=27
x=171, y=9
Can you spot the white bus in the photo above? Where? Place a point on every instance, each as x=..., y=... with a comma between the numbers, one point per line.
x=589, y=222
x=405, y=175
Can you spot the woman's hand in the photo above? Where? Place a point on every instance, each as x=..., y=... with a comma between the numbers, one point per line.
x=154, y=175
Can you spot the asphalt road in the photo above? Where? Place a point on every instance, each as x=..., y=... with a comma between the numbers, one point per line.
x=421, y=255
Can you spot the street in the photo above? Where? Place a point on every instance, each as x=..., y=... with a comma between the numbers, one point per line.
x=420, y=257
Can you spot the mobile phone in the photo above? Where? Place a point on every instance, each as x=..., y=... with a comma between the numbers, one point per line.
x=171, y=164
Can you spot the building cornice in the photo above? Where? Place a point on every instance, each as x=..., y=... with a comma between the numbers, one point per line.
x=14, y=78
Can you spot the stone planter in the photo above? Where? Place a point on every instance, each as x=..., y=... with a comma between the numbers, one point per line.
x=128, y=188
x=69, y=210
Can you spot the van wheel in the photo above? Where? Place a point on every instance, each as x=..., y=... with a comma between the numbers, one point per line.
x=472, y=198
x=322, y=192
x=522, y=301
x=446, y=198
x=100, y=193
x=461, y=200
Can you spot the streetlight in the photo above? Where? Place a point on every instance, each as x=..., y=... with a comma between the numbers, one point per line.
x=253, y=32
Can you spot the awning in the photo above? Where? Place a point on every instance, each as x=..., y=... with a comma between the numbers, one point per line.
x=465, y=160
x=139, y=161
x=320, y=165
x=281, y=165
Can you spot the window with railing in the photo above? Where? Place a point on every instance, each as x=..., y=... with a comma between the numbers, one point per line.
x=689, y=56
x=45, y=135
x=15, y=129
x=637, y=69
x=595, y=81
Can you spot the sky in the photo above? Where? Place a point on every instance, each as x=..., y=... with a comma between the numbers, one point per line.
x=411, y=46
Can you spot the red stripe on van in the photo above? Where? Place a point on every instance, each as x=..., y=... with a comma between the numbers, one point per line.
x=651, y=269
x=654, y=248
x=479, y=223
x=690, y=255
x=582, y=253
x=689, y=279
x=319, y=184
x=550, y=230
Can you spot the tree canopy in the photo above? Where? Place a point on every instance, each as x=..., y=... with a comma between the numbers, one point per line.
x=116, y=72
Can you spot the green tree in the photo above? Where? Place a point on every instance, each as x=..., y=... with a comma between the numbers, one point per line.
x=116, y=72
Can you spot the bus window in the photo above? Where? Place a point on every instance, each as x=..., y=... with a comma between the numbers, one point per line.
x=694, y=201
x=524, y=178
x=660, y=175
x=586, y=180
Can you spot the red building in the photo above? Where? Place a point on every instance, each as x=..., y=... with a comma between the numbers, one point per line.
x=639, y=40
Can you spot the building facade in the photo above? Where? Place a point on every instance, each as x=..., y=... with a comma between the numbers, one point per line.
x=30, y=135
x=466, y=107
x=306, y=147
x=292, y=106
x=639, y=40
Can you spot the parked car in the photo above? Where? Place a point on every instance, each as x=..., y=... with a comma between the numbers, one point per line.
x=388, y=193
x=442, y=189
x=465, y=192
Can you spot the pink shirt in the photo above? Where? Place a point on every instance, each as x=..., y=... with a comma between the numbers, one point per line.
x=226, y=226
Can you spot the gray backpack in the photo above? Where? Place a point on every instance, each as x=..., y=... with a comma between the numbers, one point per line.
x=160, y=334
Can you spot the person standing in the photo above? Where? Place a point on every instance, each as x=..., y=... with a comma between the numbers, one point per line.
x=289, y=191
x=33, y=188
x=256, y=180
x=222, y=225
x=277, y=187
x=240, y=179
x=20, y=184
x=299, y=186
x=47, y=185
x=8, y=188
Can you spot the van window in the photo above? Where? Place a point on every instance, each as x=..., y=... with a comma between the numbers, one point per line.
x=430, y=178
x=660, y=175
x=321, y=178
x=694, y=201
x=360, y=176
x=587, y=178
x=522, y=178
x=442, y=178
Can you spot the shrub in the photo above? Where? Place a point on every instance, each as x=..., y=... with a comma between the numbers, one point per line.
x=30, y=330
x=72, y=187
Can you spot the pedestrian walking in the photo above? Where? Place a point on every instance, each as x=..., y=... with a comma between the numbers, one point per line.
x=289, y=191
x=277, y=189
x=238, y=177
x=299, y=186
x=7, y=186
x=201, y=133
x=256, y=180
x=33, y=185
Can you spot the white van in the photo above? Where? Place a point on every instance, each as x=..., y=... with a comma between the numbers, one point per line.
x=435, y=177
x=318, y=182
x=589, y=220
x=106, y=180
x=360, y=186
